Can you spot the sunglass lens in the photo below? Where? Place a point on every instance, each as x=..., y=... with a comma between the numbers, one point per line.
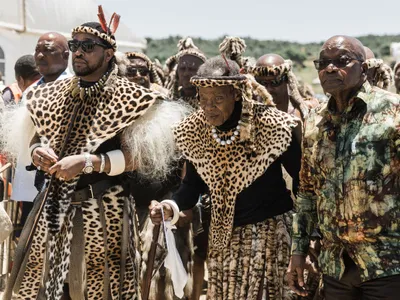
x=73, y=46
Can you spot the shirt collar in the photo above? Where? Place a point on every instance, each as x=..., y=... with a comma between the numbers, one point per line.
x=65, y=74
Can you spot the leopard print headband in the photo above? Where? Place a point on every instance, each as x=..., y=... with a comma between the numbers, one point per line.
x=103, y=36
x=374, y=63
x=284, y=68
x=236, y=81
x=191, y=51
x=141, y=56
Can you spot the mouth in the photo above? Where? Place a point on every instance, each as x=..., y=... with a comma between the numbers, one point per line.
x=79, y=62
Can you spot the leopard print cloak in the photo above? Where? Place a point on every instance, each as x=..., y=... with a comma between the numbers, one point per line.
x=229, y=169
x=99, y=118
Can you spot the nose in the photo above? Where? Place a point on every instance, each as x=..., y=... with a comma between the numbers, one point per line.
x=40, y=55
x=331, y=68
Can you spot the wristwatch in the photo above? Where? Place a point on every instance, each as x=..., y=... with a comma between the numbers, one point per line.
x=88, y=168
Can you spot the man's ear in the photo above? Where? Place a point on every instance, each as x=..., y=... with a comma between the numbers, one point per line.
x=109, y=54
x=364, y=66
x=65, y=54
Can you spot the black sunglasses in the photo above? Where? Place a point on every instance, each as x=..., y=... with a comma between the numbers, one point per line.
x=321, y=64
x=274, y=82
x=134, y=71
x=86, y=46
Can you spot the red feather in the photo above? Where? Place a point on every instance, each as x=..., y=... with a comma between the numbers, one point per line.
x=115, y=23
x=102, y=19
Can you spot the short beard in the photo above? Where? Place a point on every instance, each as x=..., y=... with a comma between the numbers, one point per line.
x=89, y=69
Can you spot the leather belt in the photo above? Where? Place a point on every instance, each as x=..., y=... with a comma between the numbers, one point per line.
x=92, y=191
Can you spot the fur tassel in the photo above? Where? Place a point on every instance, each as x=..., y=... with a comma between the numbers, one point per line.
x=102, y=19
x=233, y=48
x=150, y=139
x=186, y=43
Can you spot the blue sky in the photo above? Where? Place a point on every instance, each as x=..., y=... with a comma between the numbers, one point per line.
x=294, y=20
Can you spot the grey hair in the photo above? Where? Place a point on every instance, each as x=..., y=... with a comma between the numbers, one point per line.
x=218, y=66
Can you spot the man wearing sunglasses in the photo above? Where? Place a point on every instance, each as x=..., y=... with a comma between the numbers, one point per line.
x=350, y=184
x=142, y=71
x=92, y=130
x=276, y=75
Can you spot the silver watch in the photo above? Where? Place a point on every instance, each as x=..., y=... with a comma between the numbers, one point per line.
x=88, y=168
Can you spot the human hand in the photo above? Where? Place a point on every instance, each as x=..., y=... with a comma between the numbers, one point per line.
x=68, y=168
x=44, y=158
x=155, y=211
x=295, y=274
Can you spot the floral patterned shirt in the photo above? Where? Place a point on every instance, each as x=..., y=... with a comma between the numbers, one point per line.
x=350, y=186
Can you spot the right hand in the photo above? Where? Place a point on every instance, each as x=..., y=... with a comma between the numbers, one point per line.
x=155, y=212
x=295, y=274
x=44, y=158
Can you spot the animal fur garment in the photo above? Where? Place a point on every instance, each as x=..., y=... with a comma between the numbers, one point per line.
x=254, y=263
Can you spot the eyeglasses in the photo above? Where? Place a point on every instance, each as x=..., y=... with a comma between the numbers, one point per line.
x=274, y=82
x=86, y=46
x=321, y=64
x=132, y=72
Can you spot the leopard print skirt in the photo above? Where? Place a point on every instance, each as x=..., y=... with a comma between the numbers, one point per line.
x=254, y=264
x=90, y=257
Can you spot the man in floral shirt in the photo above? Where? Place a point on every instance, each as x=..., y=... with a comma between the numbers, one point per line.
x=350, y=184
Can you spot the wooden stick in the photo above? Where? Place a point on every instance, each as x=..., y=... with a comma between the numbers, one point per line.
x=150, y=263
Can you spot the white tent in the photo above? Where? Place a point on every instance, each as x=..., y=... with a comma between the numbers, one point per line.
x=23, y=21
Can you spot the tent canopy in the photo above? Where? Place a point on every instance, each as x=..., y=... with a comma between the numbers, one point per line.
x=58, y=15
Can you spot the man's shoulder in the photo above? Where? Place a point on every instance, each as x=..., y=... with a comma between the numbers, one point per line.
x=382, y=100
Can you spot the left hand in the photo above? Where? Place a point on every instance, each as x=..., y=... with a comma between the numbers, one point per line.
x=68, y=168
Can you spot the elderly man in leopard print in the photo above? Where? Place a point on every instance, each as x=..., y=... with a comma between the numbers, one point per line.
x=234, y=148
x=89, y=131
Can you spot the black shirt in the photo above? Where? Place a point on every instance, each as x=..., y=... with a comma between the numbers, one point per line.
x=266, y=197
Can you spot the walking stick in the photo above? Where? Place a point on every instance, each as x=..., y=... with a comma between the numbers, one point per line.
x=150, y=263
x=20, y=257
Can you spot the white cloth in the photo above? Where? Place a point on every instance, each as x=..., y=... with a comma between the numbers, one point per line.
x=5, y=224
x=174, y=263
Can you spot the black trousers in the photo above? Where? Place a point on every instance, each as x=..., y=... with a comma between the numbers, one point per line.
x=350, y=287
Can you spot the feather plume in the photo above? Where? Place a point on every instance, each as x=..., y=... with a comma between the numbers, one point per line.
x=114, y=23
x=102, y=19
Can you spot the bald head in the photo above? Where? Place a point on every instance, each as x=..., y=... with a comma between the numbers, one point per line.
x=347, y=43
x=54, y=37
x=341, y=65
x=269, y=60
x=51, y=55
x=368, y=53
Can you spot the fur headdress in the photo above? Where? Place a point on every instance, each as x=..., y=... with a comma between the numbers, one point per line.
x=185, y=46
x=154, y=78
x=102, y=29
x=246, y=84
x=283, y=69
x=383, y=75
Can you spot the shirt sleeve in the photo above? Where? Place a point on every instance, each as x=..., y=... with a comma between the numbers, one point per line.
x=291, y=160
x=305, y=218
x=191, y=188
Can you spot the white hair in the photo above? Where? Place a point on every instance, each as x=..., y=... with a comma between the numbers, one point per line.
x=150, y=140
x=16, y=130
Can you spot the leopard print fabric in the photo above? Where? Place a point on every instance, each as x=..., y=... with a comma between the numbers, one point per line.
x=106, y=37
x=284, y=68
x=113, y=201
x=229, y=169
x=99, y=118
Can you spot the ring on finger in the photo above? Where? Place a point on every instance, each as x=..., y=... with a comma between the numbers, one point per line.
x=62, y=178
x=41, y=158
x=38, y=167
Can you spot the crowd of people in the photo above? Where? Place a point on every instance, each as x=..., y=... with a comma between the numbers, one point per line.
x=135, y=175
